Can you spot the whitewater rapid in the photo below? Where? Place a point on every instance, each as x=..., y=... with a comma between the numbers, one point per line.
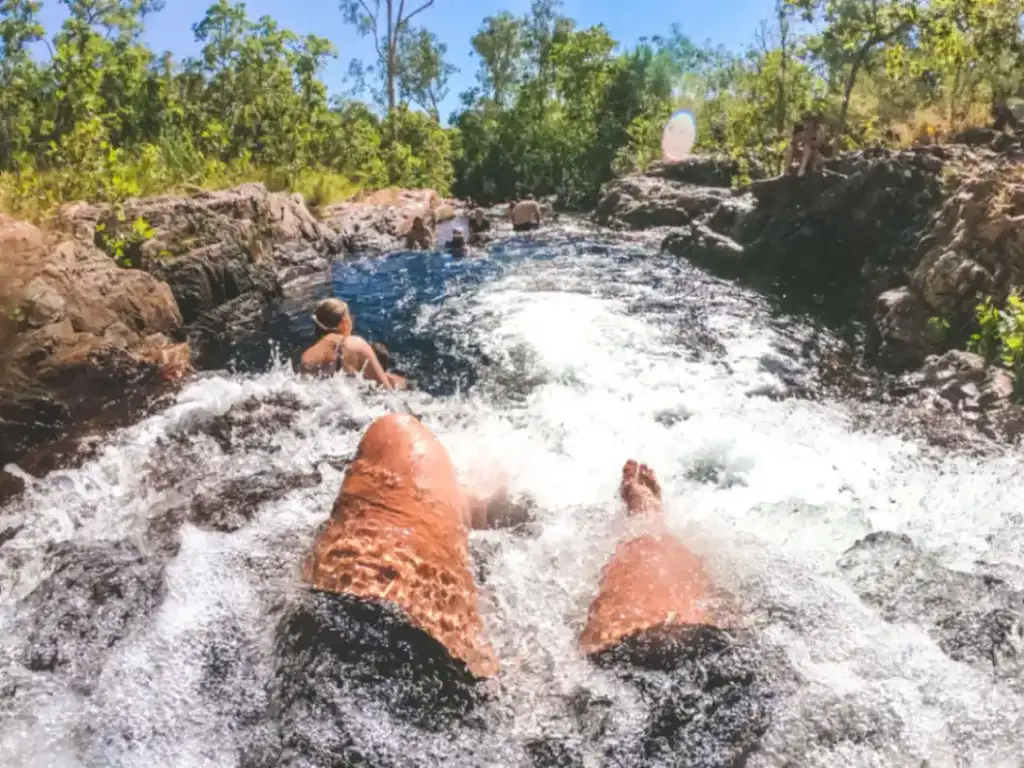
x=585, y=350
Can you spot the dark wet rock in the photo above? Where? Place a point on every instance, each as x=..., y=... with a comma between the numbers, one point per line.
x=642, y=202
x=707, y=171
x=704, y=247
x=339, y=660
x=904, y=336
x=977, y=618
x=826, y=244
x=229, y=506
x=96, y=595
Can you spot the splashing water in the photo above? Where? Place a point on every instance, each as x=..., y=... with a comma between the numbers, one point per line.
x=142, y=595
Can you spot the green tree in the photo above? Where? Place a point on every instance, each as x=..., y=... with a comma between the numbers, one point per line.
x=501, y=45
x=423, y=72
x=19, y=78
x=854, y=29
x=385, y=21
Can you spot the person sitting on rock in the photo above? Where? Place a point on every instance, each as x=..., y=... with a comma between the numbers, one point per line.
x=338, y=349
x=810, y=144
x=419, y=236
x=526, y=215
x=457, y=245
x=479, y=227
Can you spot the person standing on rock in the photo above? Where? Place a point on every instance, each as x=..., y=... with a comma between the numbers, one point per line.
x=526, y=215
x=338, y=349
x=419, y=236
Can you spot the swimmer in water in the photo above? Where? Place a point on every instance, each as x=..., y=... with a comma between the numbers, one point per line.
x=338, y=349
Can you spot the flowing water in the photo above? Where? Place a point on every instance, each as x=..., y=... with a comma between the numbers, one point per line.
x=142, y=595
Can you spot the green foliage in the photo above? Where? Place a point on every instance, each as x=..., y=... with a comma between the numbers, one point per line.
x=557, y=109
x=1000, y=336
x=937, y=330
x=986, y=341
x=120, y=243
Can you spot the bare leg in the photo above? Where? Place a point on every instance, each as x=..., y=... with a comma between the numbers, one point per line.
x=398, y=534
x=652, y=583
x=808, y=153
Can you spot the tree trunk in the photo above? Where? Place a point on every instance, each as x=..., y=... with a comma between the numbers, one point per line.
x=392, y=52
x=851, y=79
x=783, y=45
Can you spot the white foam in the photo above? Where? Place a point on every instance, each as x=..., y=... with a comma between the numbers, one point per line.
x=770, y=492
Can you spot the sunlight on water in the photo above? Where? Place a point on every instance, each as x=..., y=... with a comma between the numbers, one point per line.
x=591, y=360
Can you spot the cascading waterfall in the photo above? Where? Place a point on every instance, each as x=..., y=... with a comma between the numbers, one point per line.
x=142, y=596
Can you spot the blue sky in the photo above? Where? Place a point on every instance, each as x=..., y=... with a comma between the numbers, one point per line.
x=728, y=22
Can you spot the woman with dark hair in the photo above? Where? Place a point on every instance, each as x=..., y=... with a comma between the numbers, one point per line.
x=337, y=349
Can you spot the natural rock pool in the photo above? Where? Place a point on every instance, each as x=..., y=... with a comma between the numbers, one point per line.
x=145, y=598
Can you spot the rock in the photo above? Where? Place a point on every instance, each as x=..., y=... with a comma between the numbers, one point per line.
x=214, y=248
x=703, y=247
x=43, y=304
x=641, y=202
x=95, y=595
x=705, y=170
x=89, y=329
x=378, y=223
x=902, y=324
x=975, y=617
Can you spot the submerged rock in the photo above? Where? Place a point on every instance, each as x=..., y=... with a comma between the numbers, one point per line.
x=94, y=597
x=977, y=618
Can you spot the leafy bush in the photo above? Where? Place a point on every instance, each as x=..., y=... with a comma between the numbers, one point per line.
x=1000, y=336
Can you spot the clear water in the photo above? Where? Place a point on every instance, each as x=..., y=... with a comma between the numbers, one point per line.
x=555, y=359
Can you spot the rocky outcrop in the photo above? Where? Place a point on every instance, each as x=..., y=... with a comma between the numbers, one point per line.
x=891, y=247
x=80, y=330
x=379, y=222
x=225, y=255
x=642, y=202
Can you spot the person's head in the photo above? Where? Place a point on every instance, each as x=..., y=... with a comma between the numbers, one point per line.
x=811, y=121
x=529, y=196
x=418, y=225
x=332, y=316
x=798, y=128
x=478, y=214
x=457, y=232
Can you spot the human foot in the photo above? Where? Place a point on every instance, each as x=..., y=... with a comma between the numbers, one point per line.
x=640, y=489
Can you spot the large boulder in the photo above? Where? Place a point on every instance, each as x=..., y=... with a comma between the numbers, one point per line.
x=378, y=222
x=707, y=170
x=904, y=338
x=642, y=202
x=229, y=252
x=78, y=330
